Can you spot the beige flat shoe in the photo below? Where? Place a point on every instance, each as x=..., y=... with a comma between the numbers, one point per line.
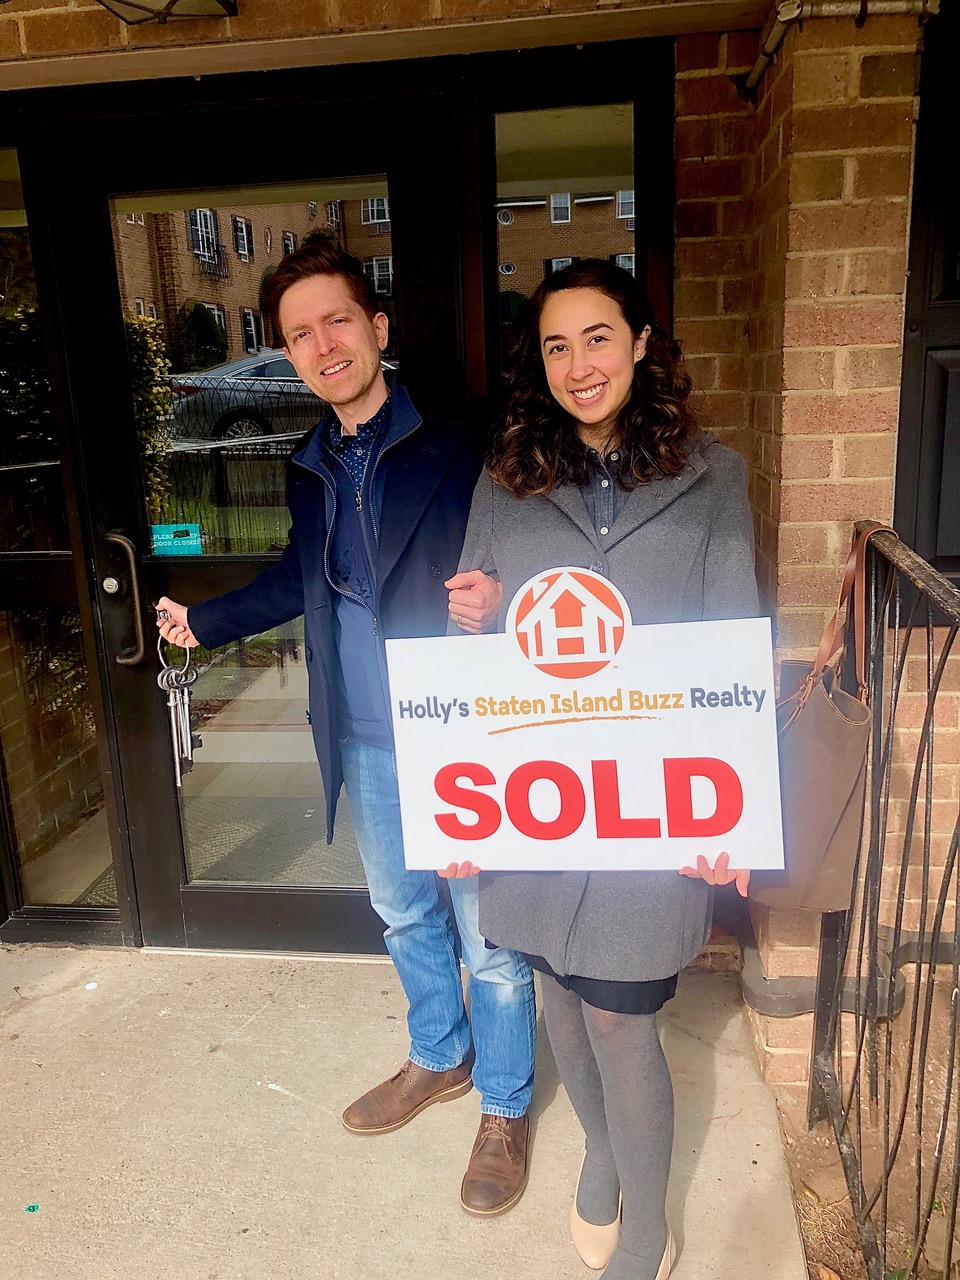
x=668, y=1259
x=595, y=1244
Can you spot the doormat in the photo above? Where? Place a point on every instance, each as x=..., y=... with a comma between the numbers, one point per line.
x=102, y=893
x=257, y=840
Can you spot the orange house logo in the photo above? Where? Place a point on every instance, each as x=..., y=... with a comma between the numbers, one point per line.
x=568, y=622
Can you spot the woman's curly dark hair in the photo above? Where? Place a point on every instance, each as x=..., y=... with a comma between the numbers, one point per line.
x=536, y=447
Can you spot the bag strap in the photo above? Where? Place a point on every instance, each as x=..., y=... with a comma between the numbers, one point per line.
x=832, y=640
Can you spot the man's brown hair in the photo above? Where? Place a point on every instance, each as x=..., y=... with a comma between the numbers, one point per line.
x=317, y=256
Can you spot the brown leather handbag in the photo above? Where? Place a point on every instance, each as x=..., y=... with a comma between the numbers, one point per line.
x=823, y=736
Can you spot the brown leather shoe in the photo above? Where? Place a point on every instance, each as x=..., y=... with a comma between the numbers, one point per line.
x=497, y=1172
x=392, y=1104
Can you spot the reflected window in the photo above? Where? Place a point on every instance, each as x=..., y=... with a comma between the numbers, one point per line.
x=216, y=416
x=565, y=191
x=242, y=237
x=376, y=209
x=560, y=207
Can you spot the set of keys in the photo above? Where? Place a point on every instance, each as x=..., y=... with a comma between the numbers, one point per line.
x=176, y=682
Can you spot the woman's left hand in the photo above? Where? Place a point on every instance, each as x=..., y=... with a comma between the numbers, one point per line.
x=720, y=873
x=458, y=871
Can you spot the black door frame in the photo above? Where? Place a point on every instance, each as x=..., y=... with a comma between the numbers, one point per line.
x=102, y=140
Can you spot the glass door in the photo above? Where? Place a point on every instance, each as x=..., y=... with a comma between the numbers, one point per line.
x=184, y=414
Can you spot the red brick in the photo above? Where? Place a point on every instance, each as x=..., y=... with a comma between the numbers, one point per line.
x=696, y=219
x=804, y=543
x=712, y=258
x=718, y=334
x=695, y=138
x=703, y=371
x=738, y=135
x=807, y=585
x=697, y=179
x=870, y=411
x=698, y=52
x=808, y=370
x=736, y=218
x=201, y=31
x=880, y=124
x=9, y=38
x=840, y=33
x=736, y=296
x=816, y=178
x=78, y=32
x=799, y=630
x=847, y=227
x=815, y=277
x=453, y=9
x=731, y=373
x=878, y=271
x=882, y=174
x=706, y=96
x=889, y=75
x=806, y=459
x=822, y=78
x=872, y=367
x=836, y=500
x=867, y=456
x=841, y=324
x=697, y=298
x=724, y=410
x=743, y=48
x=281, y=17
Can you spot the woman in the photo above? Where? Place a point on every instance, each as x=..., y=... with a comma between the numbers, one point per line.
x=599, y=463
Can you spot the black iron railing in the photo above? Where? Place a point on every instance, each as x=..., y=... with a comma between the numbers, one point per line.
x=886, y=1063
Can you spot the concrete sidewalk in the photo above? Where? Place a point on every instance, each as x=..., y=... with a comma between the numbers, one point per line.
x=180, y=1120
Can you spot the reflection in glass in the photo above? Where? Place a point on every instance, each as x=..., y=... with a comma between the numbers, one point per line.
x=32, y=508
x=54, y=797
x=252, y=806
x=564, y=191
x=218, y=407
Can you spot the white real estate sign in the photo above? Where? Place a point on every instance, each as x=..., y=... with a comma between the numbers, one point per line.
x=577, y=741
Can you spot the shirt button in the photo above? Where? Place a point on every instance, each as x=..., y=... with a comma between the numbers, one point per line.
x=436, y=570
x=604, y=529
x=604, y=484
x=615, y=456
x=597, y=567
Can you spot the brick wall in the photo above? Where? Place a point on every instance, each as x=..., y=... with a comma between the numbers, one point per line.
x=52, y=28
x=791, y=226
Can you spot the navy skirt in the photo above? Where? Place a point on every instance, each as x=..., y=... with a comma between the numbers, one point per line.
x=614, y=997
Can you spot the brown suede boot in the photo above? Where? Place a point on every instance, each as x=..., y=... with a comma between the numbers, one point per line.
x=497, y=1172
x=392, y=1104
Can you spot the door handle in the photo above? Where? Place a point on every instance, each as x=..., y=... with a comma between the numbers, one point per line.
x=130, y=657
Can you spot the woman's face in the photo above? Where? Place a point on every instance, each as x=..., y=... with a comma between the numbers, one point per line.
x=588, y=354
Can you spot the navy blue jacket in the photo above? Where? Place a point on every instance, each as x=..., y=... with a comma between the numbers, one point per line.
x=428, y=469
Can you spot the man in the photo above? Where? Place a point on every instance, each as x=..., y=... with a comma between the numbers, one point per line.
x=378, y=499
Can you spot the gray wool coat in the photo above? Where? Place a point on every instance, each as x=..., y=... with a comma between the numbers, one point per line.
x=681, y=551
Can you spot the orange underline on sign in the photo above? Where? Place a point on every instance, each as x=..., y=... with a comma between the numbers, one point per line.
x=540, y=724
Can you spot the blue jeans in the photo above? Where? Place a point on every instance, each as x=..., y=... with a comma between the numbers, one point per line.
x=422, y=945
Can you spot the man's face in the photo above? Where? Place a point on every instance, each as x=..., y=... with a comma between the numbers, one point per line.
x=332, y=343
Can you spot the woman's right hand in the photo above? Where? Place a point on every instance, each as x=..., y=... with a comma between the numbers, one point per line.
x=458, y=871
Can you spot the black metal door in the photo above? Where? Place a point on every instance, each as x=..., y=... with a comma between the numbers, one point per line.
x=154, y=228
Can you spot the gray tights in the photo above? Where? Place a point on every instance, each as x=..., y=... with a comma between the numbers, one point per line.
x=617, y=1079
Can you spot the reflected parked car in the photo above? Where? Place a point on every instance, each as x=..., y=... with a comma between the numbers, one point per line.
x=259, y=395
